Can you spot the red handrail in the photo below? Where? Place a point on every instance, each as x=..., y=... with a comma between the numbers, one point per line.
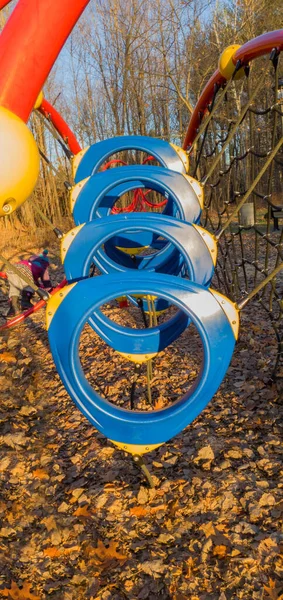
x=259, y=46
x=40, y=304
x=47, y=110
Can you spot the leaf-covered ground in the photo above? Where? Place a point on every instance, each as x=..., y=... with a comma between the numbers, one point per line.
x=77, y=518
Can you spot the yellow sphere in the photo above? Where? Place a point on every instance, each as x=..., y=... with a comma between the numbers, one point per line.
x=39, y=100
x=226, y=65
x=19, y=162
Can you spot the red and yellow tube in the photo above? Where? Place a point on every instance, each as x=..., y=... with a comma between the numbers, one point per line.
x=29, y=45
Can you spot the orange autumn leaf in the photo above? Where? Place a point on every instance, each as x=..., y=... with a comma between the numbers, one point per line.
x=142, y=511
x=104, y=553
x=273, y=590
x=7, y=357
x=159, y=404
x=40, y=474
x=220, y=551
x=71, y=549
x=15, y=593
x=139, y=511
x=155, y=509
x=52, y=552
x=83, y=511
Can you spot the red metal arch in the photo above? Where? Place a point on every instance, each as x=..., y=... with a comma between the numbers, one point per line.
x=4, y=3
x=29, y=45
x=259, y=46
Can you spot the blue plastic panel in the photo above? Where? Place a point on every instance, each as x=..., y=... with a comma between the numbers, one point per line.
x=133, y=427
x=187, y=247
x=99, y=193
x=98, y=153
x=184, y=237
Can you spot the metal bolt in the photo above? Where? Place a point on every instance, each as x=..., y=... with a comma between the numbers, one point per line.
x=234, y=322
x=50, y=313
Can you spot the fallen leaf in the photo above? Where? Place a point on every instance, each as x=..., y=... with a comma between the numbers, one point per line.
x=70, y=550
x=83, y=511
x=7, y=357
x=56, y=538
x=17, y=593
x=139, y=511
x=13, y=439
x=7, y=531
x=49, y=523
x=63, y=507
x=159, y=404
x=208, y=529
x=273, y=590
x=205, y=453
x=164, y=538
x=153, y=567
x=52, y=552
x=40, y=474
x=267, y=500
x=106, y=553
x=142, y=495
x=4, y=463
x=220, y=551
x=234, y=453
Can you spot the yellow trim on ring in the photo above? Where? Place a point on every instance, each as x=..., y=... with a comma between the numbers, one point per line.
x=145, y=296
x=230, y=309
x=183, y=156
x=75, y=191
x=55, y=301
x=197, y=187
x=67, y=240
x=138, y=358
x=133, y=251
x=77, y=159
x=137, y=449
x=209, y=240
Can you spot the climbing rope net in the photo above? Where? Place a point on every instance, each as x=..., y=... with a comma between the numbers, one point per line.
x=238, y=156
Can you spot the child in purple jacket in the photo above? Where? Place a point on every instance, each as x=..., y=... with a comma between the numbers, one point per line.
x=36, y=270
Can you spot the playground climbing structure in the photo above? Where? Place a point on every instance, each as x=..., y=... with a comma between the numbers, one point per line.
x=155, y=258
